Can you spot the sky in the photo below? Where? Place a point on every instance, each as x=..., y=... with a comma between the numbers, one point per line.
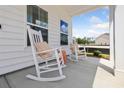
x=91, y=24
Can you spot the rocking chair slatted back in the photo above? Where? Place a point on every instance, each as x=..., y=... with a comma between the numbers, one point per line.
x=36, y=35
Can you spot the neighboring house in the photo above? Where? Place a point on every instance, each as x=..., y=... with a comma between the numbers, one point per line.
x=103, y=39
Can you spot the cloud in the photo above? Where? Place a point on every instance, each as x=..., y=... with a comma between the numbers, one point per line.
x=95, y=20
x=78, y=32
x=97, y=27
x=86, y=33
x=101, y=26
x=93, y=33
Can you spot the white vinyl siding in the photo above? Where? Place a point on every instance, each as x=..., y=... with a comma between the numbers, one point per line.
x=54, y=31
x=12, y=53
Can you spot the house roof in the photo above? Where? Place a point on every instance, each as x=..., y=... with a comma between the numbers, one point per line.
x=107, y=34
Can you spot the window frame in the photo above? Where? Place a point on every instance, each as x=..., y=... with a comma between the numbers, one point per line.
x=35, y=25
x=67, y=34
x=61, y=40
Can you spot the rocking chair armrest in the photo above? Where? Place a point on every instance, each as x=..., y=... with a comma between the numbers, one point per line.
x=50, y=50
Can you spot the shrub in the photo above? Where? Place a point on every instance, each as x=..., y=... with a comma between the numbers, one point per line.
x=105, y=56
x=97, y=53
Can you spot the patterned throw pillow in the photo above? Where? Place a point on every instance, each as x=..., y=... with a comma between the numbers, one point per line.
x=43, y=46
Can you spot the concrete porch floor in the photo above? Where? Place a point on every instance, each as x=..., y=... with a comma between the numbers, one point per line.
x=88, y=73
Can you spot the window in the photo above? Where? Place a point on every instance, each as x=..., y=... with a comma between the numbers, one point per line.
x=37, y=18
x=63, y=33
x=36, y=15
x=64, y=39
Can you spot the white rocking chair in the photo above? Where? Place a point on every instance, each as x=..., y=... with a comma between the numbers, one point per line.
x=74, y=55
x=35, y=38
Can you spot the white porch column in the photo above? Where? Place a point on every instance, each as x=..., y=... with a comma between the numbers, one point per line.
x=112, y=35
x=119, y=39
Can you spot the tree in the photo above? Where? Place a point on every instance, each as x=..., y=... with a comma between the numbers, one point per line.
x=85, y=40
x=79, y=40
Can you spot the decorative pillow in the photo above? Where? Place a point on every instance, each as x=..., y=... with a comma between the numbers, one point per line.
x=43, y=46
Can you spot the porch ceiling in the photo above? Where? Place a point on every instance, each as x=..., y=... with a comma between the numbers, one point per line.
x=73, y=10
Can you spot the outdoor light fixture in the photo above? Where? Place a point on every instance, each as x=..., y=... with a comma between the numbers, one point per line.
x=0, y=26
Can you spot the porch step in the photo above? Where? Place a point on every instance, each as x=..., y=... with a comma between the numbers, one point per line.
x=52, y=69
